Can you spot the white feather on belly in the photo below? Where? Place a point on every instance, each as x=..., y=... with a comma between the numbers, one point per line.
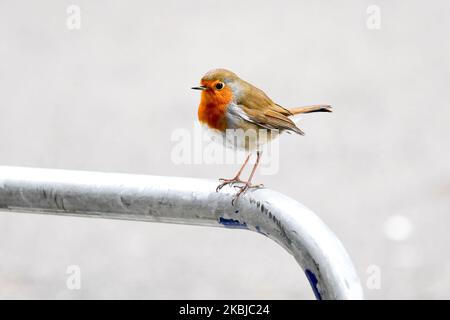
x=241, y=134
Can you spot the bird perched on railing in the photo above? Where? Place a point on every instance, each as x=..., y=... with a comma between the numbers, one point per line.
x=229, y=104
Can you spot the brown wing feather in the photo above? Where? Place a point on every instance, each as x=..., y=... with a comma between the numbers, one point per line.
x=310, y=109
x=281, y=122
x=262, y=111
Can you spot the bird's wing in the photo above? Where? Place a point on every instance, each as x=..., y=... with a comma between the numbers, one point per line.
x=270, y=119
x=259, y=109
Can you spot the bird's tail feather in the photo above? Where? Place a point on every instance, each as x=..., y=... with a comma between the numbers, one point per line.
x=310, y=109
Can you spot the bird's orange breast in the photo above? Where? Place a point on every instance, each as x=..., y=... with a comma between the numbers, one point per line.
x=213, y=106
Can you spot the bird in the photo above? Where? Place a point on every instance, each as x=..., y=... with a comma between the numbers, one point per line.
x=230, y=104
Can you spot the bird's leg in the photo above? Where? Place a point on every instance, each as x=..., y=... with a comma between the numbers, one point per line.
x=237, y=178
x=247, y=185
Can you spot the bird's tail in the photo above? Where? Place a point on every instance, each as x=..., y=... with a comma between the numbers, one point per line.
x=309, y=109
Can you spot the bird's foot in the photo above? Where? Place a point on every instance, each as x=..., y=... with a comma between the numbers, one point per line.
x=225, y=182
x=244, y=188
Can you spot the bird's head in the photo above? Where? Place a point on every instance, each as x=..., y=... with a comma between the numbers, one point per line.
x=219, y=86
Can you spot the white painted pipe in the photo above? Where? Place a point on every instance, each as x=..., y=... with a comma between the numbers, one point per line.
x=188, y=201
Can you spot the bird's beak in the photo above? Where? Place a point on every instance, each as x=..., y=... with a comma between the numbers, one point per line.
x=200, y=88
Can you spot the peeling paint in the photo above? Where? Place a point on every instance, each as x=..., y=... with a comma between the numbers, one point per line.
x=62, y=204
x=125, y=202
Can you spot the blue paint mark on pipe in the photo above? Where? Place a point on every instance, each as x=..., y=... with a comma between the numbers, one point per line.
x=313, y=282
x=231, y=223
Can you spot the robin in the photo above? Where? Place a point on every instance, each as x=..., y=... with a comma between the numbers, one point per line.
x=229, y=104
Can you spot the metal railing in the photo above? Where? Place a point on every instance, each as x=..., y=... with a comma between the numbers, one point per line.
x=188, y=201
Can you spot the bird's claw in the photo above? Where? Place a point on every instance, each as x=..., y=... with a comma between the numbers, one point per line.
x=227, y=182
x=243, y=189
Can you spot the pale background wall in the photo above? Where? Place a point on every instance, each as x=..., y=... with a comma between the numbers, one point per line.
x=108, y=96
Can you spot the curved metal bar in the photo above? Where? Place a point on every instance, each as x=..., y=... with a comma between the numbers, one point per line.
x=188, y=201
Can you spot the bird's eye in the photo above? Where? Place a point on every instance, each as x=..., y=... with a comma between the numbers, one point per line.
x=220, y=85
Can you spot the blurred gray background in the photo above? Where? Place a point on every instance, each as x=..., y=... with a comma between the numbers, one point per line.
x=108, y=96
